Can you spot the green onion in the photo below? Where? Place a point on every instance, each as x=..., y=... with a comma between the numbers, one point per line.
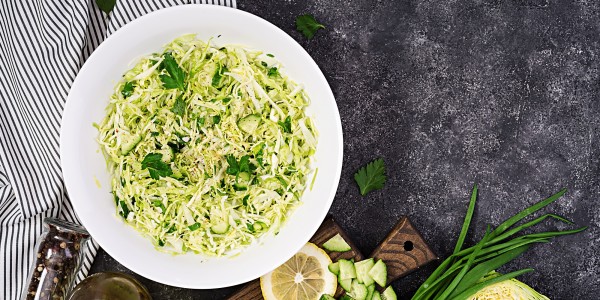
x=460, y=275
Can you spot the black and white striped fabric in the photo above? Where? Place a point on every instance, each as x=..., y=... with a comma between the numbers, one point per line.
x=43, y=43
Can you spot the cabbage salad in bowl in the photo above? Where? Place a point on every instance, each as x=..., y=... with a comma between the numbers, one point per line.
x=209, y=147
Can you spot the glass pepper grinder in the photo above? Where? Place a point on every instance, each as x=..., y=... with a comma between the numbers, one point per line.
x=57, y=259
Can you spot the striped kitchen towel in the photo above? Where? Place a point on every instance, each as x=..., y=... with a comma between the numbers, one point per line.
x=43, y=43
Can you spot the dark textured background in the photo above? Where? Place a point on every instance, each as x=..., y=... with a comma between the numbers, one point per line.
x=499, y=92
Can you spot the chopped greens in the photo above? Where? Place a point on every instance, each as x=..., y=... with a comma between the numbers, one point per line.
x=127, y=89
x=286, y=125
x=199, y=142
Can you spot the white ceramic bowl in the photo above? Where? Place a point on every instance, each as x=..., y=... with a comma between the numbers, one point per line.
x=84, y=165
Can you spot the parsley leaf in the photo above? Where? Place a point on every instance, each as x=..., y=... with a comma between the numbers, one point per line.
x=157, y=168
x=233, y=168
x=308, y=26
x=216, y=80
x=286, y=125
x=106, y=5
x=200, y=121
x=272, y=72
x=216, y=119
x=371, y=177
x=158, y=203
x=245, y=163
x=176, y=77
x=179, y=107
x=127, y=89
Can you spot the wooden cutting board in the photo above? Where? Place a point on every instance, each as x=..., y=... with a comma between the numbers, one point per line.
x=403, y=250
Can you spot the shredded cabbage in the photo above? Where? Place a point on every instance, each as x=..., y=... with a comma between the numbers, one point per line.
x=201, y=206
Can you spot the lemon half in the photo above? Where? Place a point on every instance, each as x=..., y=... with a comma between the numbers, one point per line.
x=303, y=277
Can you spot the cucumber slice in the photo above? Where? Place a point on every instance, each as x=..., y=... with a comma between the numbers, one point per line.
x=337, y=244
x=129, y=142
x=376, y=296
x=334, y=268
x=244, y=176
x=220, y=228
x=379, y=273
x=362, y=271
x=346, y=284
x=359, y=291
x=389, y=294
x=249, y=123
x=347, y=270
x=326, y=297
x=370, y=291
x=167, y=154
x=240, y=186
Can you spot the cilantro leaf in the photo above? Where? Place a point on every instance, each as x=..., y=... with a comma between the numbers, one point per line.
x=286, y=125
x=127, y=89
x=371, y=177
x=308, y=26
x=176, y=77
x=106, y=5
x=179, y=107
x=157, y=168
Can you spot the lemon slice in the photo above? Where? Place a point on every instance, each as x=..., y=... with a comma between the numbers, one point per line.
x=303, y=277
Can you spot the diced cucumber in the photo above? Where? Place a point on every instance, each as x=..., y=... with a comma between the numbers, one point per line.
x=345, y=297
x=245, y=176
x=376, y=295
x=389, y=294
x=362, y=271
x=359, y=290
x=346, y=284
x=129, y=142
x=334, y=268
x=337, y=244
x=326, y=297
x=347, y=270
x=370, y=291
x=220, y=228
x=177, y=173
x=167, y=154
x=249, y=123
x=379, y=273
x=258, y=225
x=240, y=186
